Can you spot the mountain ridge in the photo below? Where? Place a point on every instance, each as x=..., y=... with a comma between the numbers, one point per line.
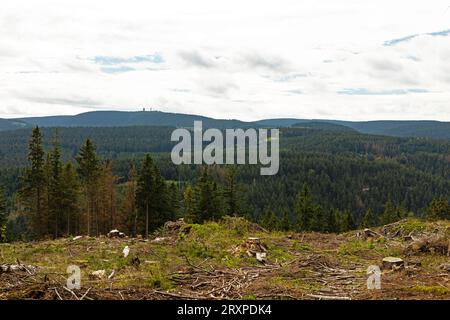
x=398, y=128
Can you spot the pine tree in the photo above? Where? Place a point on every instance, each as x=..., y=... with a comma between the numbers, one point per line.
x=33, y=184
x=89, y=172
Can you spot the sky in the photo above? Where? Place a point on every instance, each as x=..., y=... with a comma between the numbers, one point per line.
x=314, y=59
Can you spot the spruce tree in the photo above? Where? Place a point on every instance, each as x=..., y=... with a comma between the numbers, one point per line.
x=145, y=191
x=89, y=172
x=208, y=202
x=33, y=184
x=55, y=206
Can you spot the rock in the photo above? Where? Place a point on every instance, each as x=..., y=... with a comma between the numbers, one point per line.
x=392, y=263
x=116, y=234
x=126, y=251
x=159, y=239
x=99, y=274
x=174, y=226
x=77, y=238
x=261, y=257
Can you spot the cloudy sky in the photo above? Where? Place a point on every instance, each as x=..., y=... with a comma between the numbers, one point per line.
x=349, y=59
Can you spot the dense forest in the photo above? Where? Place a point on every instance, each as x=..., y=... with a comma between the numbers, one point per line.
x=64, y=181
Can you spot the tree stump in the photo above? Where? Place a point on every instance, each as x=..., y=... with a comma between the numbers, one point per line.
x=392, y=263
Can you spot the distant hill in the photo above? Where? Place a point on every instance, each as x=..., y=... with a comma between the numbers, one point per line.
x=430, y=129
x=323, y=126
x=395, y=128
x=124, y=119
x=426, y=129
x=6, y=124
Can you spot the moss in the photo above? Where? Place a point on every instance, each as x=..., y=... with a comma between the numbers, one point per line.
x=435, y=290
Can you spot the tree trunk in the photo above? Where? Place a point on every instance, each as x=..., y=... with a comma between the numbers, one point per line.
x=146, y=222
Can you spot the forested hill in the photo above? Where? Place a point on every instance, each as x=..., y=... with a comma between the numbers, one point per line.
x=344, y=170
x=430, y=129
x=123, y=119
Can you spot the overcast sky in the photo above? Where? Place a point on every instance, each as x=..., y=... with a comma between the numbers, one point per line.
x=349, y=59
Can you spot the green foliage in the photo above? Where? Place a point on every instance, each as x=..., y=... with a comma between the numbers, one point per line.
x=439, y=209
x=152, y=197
x=208, y=203
x=33, y=183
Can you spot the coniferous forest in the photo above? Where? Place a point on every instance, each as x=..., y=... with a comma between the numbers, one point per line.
x=68, y=181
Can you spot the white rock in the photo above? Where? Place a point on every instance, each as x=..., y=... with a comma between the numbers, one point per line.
x=100, y=274
x=126, y=251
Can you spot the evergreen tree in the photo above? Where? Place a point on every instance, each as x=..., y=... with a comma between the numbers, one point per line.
x=108, y=219
x=304, y=209
x=389, y=214
x=89, y=172
x=368, y=219
x=70, y=199
x=145, y=191
x=207, y=199
x=438, y=209
x=190, y=209
x=269, y=220
x=285, y=223
x=33, y=184
x=130, y=212
x=55, y=192
x=232, y=200
x=318, y=220
x=331, y=223
x=3, y=216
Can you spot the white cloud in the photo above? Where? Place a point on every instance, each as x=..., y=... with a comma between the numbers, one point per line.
x=233, y=59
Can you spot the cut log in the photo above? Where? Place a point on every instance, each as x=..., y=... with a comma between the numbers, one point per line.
x=371, y=234
x=392, y=263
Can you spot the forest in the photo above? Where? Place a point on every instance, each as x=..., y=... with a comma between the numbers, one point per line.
x=68, y=181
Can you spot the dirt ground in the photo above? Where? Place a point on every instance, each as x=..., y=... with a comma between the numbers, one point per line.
x=215, y=261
